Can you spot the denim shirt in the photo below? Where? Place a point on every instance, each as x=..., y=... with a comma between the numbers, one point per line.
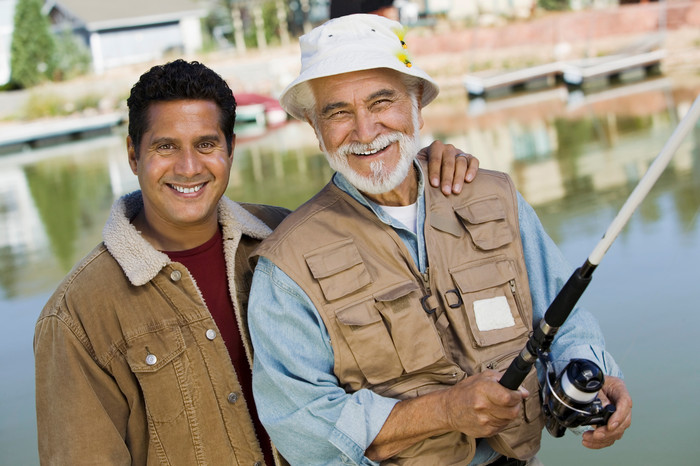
x=309, y=416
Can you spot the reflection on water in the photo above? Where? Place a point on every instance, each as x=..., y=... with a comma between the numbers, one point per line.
x=575, y=157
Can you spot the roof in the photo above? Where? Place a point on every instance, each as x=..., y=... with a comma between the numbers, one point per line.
x=124, y=13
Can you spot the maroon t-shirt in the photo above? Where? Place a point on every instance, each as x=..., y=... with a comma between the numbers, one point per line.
x=207, y=265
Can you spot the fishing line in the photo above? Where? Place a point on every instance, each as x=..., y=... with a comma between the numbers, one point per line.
x=568, y=296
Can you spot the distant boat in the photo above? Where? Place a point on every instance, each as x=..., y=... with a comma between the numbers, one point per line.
x=259, y=109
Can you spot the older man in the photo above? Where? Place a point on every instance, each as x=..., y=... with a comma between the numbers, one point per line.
x=382, y=311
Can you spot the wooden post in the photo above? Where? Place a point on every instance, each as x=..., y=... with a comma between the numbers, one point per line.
x=238, y=37
x=282, y=20
x=259, y=26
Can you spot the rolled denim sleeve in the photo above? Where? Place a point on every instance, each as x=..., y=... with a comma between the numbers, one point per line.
x=309, y=417
x=580, y=336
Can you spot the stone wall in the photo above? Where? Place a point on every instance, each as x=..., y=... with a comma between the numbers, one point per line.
x=451, y=49
x=553, y=28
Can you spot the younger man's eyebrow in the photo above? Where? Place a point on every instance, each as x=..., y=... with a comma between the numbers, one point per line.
x=162, y=140
x=209, y=137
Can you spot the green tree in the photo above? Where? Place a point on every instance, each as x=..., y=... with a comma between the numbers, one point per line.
x=32, y=45
x=271, y=22
x=556, y=5
x=72, y=56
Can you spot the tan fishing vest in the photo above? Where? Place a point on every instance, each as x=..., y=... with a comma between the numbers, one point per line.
x=401, y=333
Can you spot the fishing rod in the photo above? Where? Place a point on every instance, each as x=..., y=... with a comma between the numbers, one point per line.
x=543, y=335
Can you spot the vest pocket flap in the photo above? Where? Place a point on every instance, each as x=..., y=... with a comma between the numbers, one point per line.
x=363, y=314
x=449, y=224
x=396, y=292
x=339, y=269
x=333, y=258
x=485, y=220
x=483, y=276
x=482, y=210
x=149, y=352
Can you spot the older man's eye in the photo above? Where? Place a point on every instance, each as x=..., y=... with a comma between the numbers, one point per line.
x=381, y=103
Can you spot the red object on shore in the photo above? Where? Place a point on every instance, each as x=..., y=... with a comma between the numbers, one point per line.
x=258, y=108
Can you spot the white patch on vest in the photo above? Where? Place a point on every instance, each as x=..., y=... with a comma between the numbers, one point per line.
x=493, y=313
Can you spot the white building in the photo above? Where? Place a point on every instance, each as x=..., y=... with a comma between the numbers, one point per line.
x=131, y=31
x=7, y=17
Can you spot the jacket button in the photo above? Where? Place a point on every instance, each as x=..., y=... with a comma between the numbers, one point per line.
x=175, y=275
x=151, y=359
x=257, y=463
x=232, y=397
x=211, y=334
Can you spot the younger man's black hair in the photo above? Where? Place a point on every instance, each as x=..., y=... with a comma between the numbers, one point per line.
x=179, y=80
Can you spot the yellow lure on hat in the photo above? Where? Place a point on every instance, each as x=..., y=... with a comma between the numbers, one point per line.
x=404, y=59
x=401, y=34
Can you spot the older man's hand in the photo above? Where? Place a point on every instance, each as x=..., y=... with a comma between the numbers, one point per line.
x=615, y=392
x=481, y=407
x=449, y=167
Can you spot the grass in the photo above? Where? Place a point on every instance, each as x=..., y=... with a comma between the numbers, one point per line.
x=43, y=105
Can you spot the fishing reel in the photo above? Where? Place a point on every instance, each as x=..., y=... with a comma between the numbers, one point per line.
x=570, y=399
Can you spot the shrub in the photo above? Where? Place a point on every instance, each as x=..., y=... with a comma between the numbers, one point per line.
x=32, y=48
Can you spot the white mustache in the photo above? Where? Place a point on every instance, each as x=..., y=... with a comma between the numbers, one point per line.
x=381, y=142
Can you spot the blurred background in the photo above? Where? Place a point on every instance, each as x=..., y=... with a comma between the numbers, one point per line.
x=573, y=99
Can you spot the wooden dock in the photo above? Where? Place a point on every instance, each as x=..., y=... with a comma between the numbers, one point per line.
x=577, y=98
x=575, y=73
x=16, y=137
x=611, y=67
x=481, y=85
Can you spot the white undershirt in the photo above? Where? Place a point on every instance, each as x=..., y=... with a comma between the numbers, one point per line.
x=404, y=214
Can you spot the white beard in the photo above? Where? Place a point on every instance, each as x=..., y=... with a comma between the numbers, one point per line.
x=381, y=179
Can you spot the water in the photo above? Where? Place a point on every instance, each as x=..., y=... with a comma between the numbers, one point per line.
x=575, y=157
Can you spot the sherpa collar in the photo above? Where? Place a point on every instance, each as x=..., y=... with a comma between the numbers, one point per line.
x=140, y=261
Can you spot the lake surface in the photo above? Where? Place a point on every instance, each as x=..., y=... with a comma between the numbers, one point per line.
x=574, y=156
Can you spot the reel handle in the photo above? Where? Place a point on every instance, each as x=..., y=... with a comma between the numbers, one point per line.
x=604, y=417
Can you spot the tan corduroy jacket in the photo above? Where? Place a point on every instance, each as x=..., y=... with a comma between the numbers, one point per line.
x=130, y=366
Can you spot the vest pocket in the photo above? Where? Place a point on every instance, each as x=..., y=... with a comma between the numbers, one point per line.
x=389, y=334
x=490, y=301
x=157, y=359
x=521, y=438
x=339, y=269
x=485, y=220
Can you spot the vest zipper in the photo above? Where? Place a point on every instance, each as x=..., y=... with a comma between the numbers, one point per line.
x=426, y=280
x=495, y=363
x=518, y=304
x=425, y=300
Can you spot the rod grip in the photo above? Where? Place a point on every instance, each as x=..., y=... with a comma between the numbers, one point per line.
x=567, y=298
x=516, y=373
x=556, y=314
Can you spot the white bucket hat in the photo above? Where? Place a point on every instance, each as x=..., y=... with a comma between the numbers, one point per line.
x=353, y=43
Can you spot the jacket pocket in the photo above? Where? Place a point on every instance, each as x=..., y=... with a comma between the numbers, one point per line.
x=159, y=362
x=485, y=220
x=389, y=333
x=490, y=301
x=338, y=268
